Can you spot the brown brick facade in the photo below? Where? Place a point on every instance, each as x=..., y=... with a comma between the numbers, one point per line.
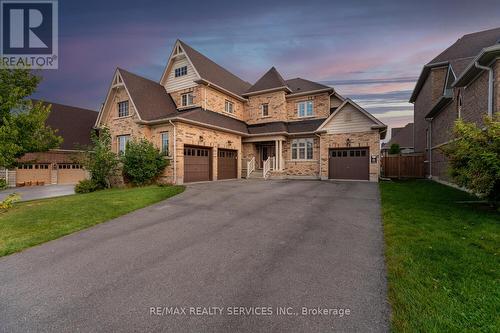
x=277, y=108
x=362, y=139
x=321, y=106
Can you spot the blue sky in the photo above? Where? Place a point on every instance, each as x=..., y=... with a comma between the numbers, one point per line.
x=371, y=51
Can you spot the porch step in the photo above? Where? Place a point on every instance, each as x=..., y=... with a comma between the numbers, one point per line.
x=256, y=174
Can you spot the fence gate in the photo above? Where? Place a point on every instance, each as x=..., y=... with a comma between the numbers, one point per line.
x=403, y=166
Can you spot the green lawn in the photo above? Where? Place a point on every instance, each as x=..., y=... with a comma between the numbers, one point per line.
x=35, y=222
x=443, y=259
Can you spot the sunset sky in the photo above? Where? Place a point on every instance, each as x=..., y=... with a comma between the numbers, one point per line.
x=371, y=51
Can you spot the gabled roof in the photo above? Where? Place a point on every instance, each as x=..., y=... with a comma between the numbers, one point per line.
x=459, y=55
x=149, y=97
x=271, y=80
x=299, y=85
x=402, y=136
x=73, y=124
x=215, y=119
x=377, y=124
x=292, y=127
x=213, y=73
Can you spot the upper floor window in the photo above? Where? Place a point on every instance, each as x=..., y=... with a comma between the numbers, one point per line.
x=122, y=143
x=181, y=71
x=302, y=149
x=164, y=143
x=123, y=109
x=229, y=107
x=187, y=99
x=305, y=109
x=265, y=110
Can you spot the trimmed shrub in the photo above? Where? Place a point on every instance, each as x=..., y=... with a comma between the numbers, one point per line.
x=474, y=157
x=87, y=186
x=3, y=184
x=395, y=149
x=9, y=202
x=142, y=162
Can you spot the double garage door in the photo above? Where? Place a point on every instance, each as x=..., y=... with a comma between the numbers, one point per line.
x=349, y=163
x=198, y=164
x=45, y=173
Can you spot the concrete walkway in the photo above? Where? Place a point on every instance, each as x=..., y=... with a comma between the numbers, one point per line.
x=39, y=192
x=236, y=256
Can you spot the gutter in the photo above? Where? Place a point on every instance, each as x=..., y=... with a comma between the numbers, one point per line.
x=175, y=150
x=258, y=92
x=429, y=146
x=490, y=86
x=311, y=92
x=217, y=87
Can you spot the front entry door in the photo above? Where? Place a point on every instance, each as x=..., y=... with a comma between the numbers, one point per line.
x=265, y=153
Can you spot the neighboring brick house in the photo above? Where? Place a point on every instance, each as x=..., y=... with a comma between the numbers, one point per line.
x=57, y=166
x=461, y=82
x=213, y=125
x=403, y=136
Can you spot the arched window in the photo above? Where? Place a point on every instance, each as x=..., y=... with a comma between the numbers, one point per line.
x=460, y=103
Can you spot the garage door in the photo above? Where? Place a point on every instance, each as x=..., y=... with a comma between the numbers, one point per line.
x=196, y=164
x=349, y=163
x=33, y=173
x=227, y=164
x=70, y=173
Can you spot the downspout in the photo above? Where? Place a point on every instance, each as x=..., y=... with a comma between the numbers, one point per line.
x=430, y=147
x=490, y=86
x=319, y=138
x=175, y=151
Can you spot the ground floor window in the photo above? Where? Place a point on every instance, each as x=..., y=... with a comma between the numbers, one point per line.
x=302, y=149
x=122, y=143
x=164, y=143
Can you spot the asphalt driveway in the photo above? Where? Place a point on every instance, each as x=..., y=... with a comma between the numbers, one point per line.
x=244, y=247
x=39, y=192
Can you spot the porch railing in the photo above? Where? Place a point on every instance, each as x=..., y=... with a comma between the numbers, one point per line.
x=250, y=166
x=269, y=165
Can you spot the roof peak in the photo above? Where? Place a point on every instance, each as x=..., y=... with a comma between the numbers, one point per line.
x=271, y=80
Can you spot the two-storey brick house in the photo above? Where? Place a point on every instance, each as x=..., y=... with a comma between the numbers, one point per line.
x=461, y=82
x=214, y=125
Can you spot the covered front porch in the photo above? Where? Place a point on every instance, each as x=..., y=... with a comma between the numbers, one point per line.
x=263, y=156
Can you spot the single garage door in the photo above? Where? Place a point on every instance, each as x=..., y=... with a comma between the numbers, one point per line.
x=349, y=163
x=196, y=164
x=33, y=173
x=70, y=173
x=227, y=164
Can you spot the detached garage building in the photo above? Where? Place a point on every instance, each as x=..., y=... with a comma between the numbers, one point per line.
x=57, y=166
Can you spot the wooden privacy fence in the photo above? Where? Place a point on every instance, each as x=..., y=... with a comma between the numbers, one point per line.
x=403, y=166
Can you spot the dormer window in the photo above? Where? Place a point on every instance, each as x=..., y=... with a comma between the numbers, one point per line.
x=229, y=107
x=265, y=110
x=187, y=99
x=181, y=71
x=305, y=109
x=123, y=109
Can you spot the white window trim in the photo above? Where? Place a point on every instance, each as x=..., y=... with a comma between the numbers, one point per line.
x=262, y=110
x=162, y=134
x=119, y=151
x=187, y=99
x=125, y=102
x=181, y=72
x=305, y=109
x=297, y=141
x=226, y=104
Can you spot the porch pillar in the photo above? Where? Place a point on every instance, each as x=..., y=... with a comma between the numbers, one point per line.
x=282, y=161
x=276, y=156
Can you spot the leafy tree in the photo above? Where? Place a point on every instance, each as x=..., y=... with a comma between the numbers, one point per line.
x=142, y=162
x=395, y=149
x=474, y=157
x=100, y=161
x=22, y=122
